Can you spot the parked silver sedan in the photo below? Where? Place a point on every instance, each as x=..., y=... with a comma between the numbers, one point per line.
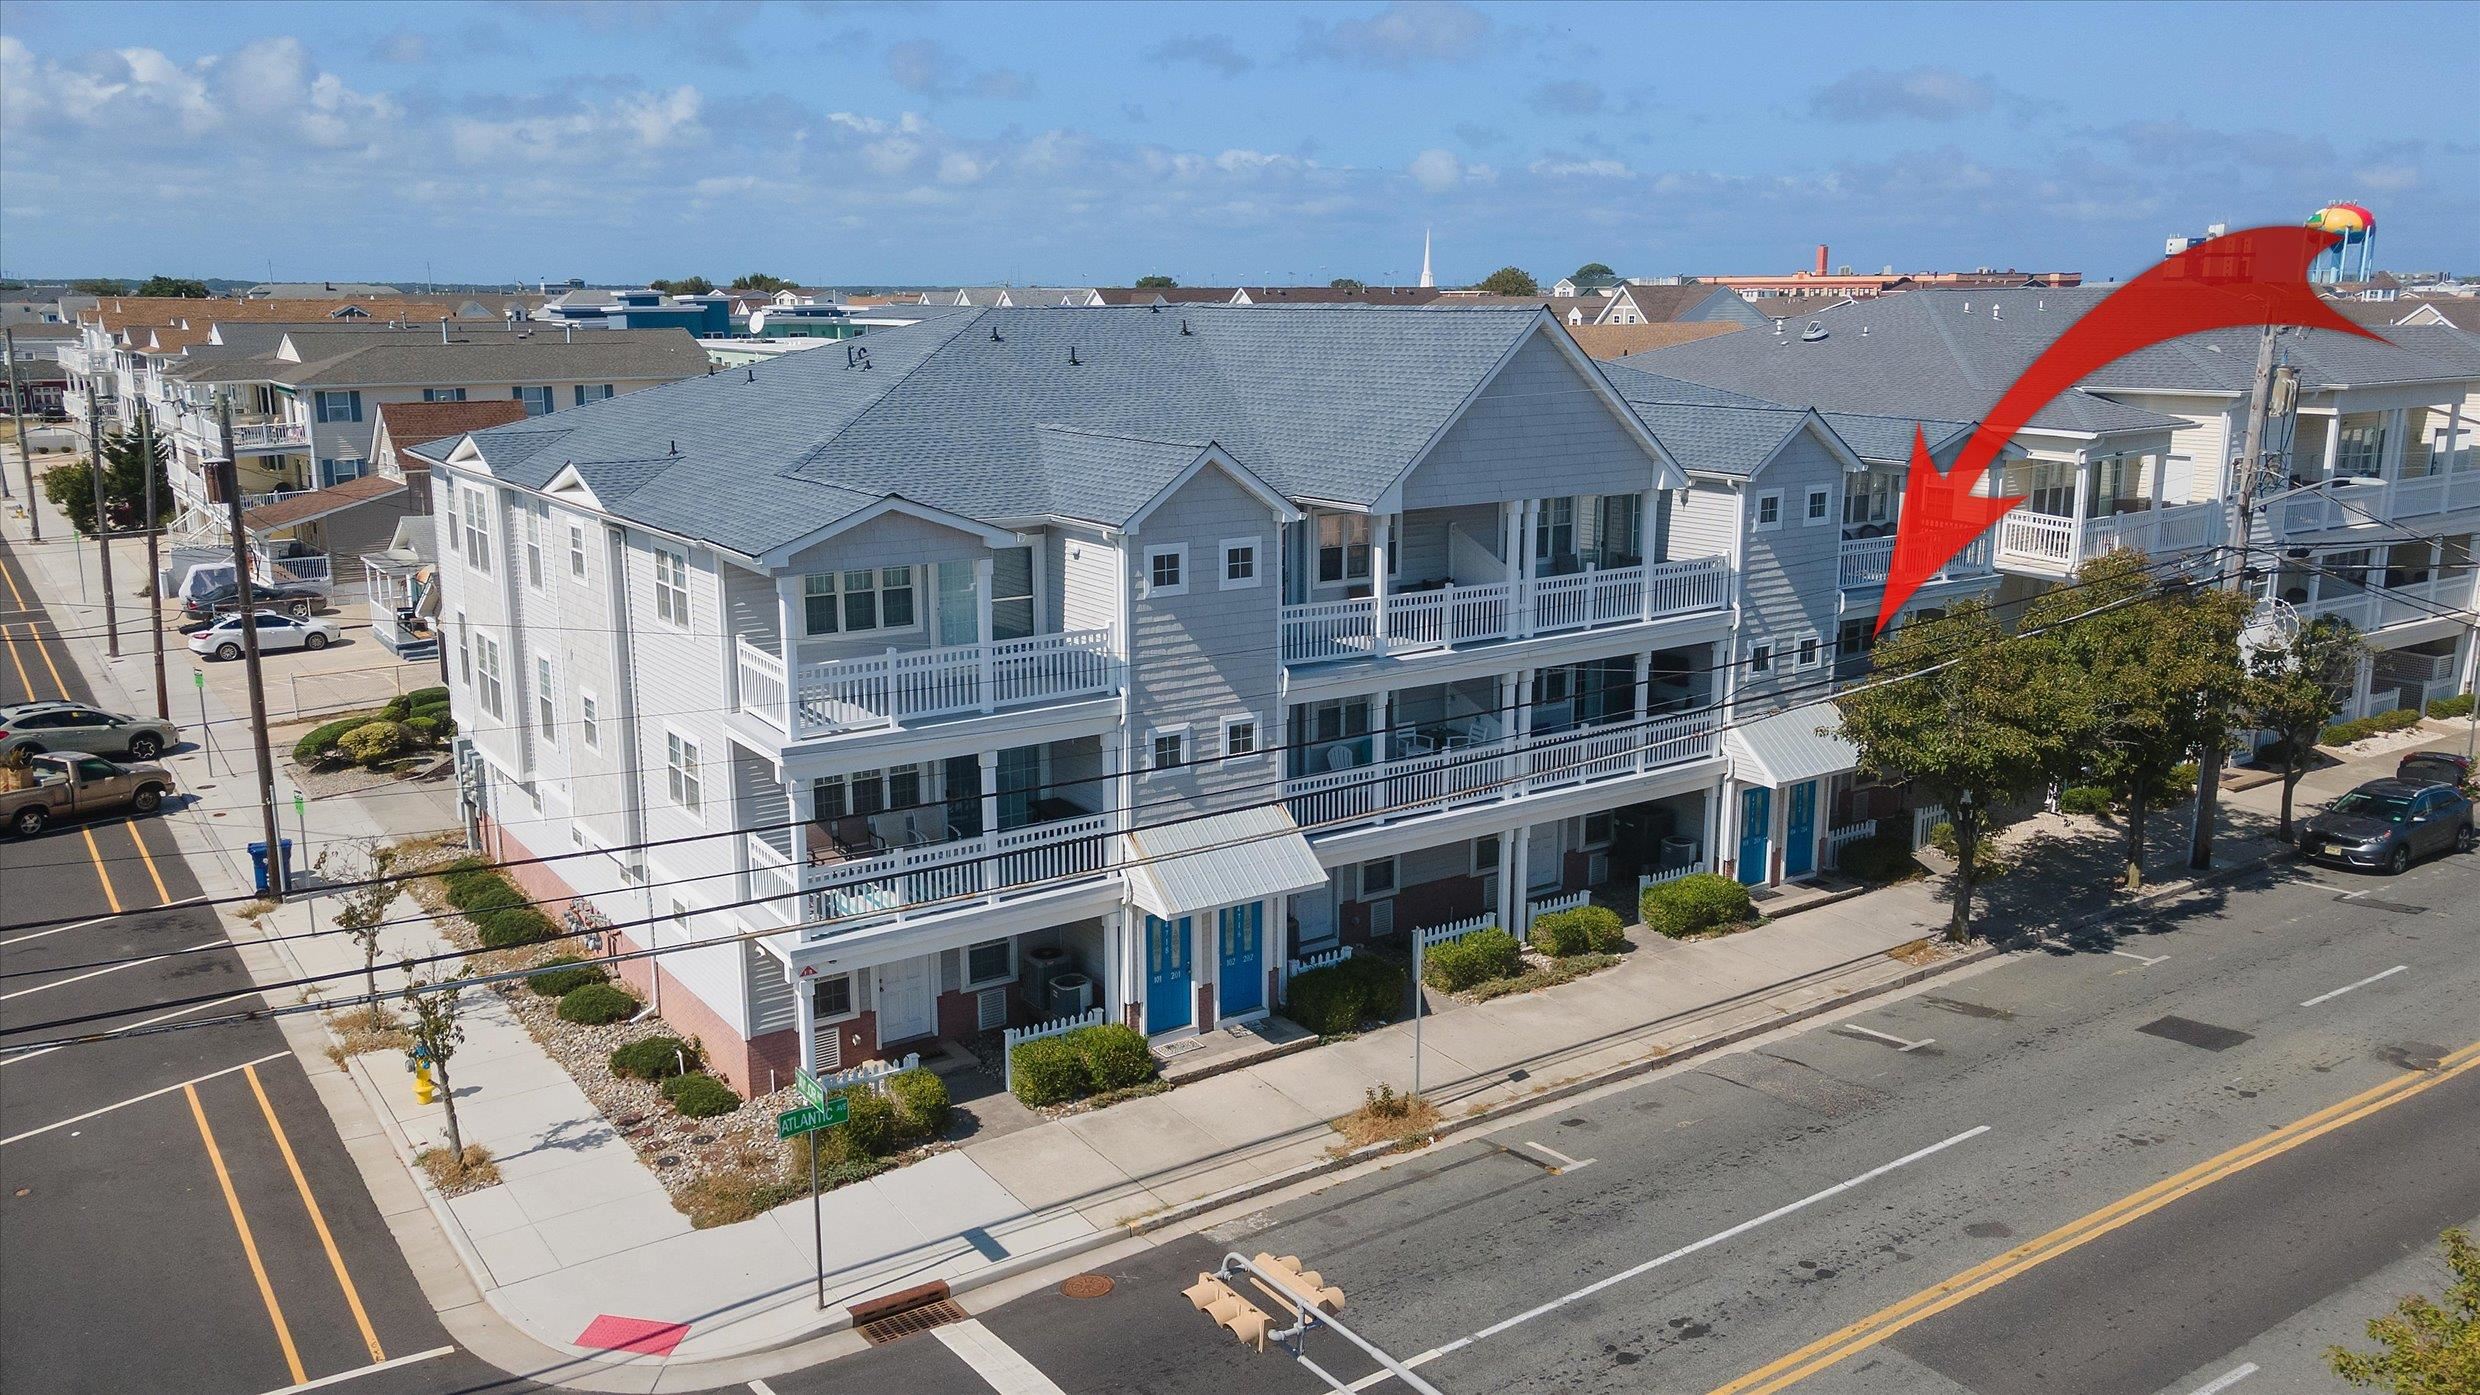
x=35, y=727
x=222, y=640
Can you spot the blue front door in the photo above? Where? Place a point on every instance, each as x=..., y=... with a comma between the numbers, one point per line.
x=1800, y=831
x=1241, y=976
x=1169, y=1004
x=1756, y=821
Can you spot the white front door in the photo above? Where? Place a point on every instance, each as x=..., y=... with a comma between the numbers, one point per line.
x=907, y=999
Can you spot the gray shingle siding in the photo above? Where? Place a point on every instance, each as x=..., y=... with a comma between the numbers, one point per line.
x=1791, y=574
x=1197, y=658
x=1525, y=436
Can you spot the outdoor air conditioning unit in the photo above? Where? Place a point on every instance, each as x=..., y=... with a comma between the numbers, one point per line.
x=1678, y=852
x=1070, y=994
x=1040, y=967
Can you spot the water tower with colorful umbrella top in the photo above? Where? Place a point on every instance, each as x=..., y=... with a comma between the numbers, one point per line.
x=2358, y=230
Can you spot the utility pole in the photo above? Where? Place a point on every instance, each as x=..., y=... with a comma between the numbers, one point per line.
x=25, y=457
x=229, y=470
x=154, y=561
x=2245, y=471
x=103, y=526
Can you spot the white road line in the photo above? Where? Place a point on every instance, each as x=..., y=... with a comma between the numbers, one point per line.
x=1566, y=1163
x=359, y=1371
x=2147, y=960
x=759, y=1387
x=98, y=920
x=2226, y=1380
x=2363, y=983
x=6, y=1060
x=1682, y=1252
x=2353, y=895
x=141, y=1099
x=997, y=1363
x=112, y=969
x=1899, y=1043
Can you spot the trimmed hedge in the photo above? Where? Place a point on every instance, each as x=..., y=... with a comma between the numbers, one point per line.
x=471, y=885
x=1697, y=902
x=1484, y=954
x=1882, y=857
x=2456, y=706
x=700, y=1096
x=511, y=926
x=1114, y=1055
x=1047, y=1070
x=654, y=1058
x=2085, y=799
x=374, y=744
x=313, y=748
x=432, y=696
x=563, y=974
x=597, y=1005
x=1584, y=930
x=2361, y=728
x=870, y=1127
x=921, y=1100
x=423, y=729
x=1337, y=999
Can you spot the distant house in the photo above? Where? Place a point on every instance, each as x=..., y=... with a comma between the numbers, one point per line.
x=1018, y=297
x=1634, y=304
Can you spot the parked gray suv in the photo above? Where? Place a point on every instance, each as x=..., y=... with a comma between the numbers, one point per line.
x=2386, y=824
x=35, y=727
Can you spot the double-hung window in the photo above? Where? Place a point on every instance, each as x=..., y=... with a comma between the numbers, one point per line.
x=859, y=601
x=590, y=721
x=897, y=787
x=671, y=587
x=464, y=650
x=537, y=400
x=592, y=392
x=680, y=771
x=1554, y=530
x=546, y=705
x=577, y=551
x=488, y=675
x=531, y=519
x=477, y=529
x=1342, y=547
x=338, y=469
x=435, y=394
x=1239, y=563
x=337, y=406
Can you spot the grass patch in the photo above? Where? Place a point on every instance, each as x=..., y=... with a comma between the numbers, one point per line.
x=738, y=1194
x=363, y=1030
x=454, y=1175
x=1387, y=1117
x=1137, y=1091
x=1917, y=953
x=1550, y=975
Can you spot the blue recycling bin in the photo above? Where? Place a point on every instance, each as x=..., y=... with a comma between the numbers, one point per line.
x=258, y=863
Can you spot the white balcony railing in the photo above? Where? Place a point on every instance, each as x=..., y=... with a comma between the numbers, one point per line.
x=1452, y=616
x=2055, y=543
x=2353, y=503
x=2378, y=607
x=903, y=686
x=1867, y=560
x=944, y=877
x=1506, y=769
x=250, y=433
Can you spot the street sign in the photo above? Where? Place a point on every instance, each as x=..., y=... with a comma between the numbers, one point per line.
x=809, y=1118
x=809, y=1086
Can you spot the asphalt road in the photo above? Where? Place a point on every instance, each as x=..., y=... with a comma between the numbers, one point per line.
x=1732, y=1214
x=176, y=1211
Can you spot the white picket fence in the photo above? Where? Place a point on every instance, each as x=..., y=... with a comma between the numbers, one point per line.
x=1838, y=839
x=871, y=1073
x=1926, y=818
x=1437, y=935
x=1013, y=1037
x=1534, y=911
x=1320, y=960
x=1645, y=881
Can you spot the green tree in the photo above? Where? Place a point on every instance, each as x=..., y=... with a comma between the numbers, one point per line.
x=1509, y=280
x=1346, y=283
x=2294, y=689
x=1593, y=274
x=686, y=285
x=173, y=286
x=99, y=285
x=1155, y=283
x=760, y=281
x=1975, y=724
x=71, y=487
x=2156, y=679
x=2426, y=1347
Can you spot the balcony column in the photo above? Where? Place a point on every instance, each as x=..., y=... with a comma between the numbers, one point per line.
x=1378, y=530
x=1500, y=911
x=1525, y=563
x=1519, y=888
x=791, y=619
x=1644, y=704
x=2333, y=444
x=989, y=791
x=2082, y=511
x=1647, y=512
x=2390, y=460
x=981, y=627
x=805, y=1013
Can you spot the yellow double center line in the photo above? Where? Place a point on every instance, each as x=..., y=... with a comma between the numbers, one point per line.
x=1835, y=1347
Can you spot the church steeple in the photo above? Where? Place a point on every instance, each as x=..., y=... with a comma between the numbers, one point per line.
x=1426, y=278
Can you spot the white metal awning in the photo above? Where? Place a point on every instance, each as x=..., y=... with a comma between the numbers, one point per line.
x=1790, y=747
x=1222, y=860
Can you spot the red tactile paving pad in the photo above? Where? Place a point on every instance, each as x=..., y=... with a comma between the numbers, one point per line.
x=640, y=1335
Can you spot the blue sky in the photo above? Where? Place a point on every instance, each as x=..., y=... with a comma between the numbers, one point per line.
x=869, y=142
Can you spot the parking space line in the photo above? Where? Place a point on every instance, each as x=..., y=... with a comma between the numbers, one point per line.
x=163, y=894
x=8, y=641
x=1898, y=1043
x=7, y=1060
x=249, y=1246
x=109, y=969
x=360, y=1371
x=111, y=898
x=1565, y=1163
x=15, y=940
x=318, y=1221
x=2363, y=983
x=43, y=647
x=1000, y=1366
x=140, y=1099
x=2226, y=1380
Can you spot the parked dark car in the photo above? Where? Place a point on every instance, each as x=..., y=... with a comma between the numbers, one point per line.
x=2387, y=824
x=300, y=602
x=2435, y=768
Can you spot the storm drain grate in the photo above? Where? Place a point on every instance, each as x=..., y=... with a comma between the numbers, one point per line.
x=910, y=1321
x=2189, y=1032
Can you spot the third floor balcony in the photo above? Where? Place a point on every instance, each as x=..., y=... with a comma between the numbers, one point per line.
x=909, y=687
x=1445, y=615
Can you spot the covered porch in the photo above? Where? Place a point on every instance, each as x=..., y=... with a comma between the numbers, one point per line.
x=2079, y=509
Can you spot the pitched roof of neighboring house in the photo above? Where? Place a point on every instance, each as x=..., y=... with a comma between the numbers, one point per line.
x=1662, y=304
x=1784, y=307
x=1878, y=440
x=1023, y=297
x=46, y=332
x=1167, y=295
x=2225, y=361
x=412, y=423
x=2462, y=312
x=1617, y=341
x=114, y=312
x=299, y=290
x=1340, y=295
x=985, y=416
x=408, y=359
x=310, y=504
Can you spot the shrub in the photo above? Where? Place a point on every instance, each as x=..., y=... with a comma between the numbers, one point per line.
x=1883, y=857
x=511, y=926
x=313, y=748
x=1458, y=964
x=1337, y=999
x=397, y=708
x=597, y=1005
x=373, y=744
x=423, y=729
x=921, y=1101
x=1114, y=1055
x=1047, y=1070
x=2361, y=728
x=834, y=1169
x=1697, y=902
x=2456, y=706
x=654, y=1058
x=870, y=1126
x=1985, y=859
x=700, y=1096
x=1558, y=971
x=472, y=886
x=1586, y=929
x=2085, y=799
x=560, y=975
x=434, y=695
x=2180, y=783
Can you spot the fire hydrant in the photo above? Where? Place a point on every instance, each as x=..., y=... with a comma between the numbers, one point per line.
x=424, y=1091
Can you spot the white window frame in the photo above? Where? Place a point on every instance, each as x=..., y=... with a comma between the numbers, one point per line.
x=1153, y=747
x=964, y=964
x=671, y=594
x=1807, y=652
x=533, y=512
x=1482, y=867
x=577, y=550
x=1761, y=657
x=852, y=999
x=589, y=719
x=1346, y=524
x=1819, y=508
x=477, y=512
x=464, y=650
x=1394, y=878
x=490, y=677
x=1756, y=512
x=592, y=392
x=531, y=395
x=836, y=594
x=1257, y=732
x=683, y=784
x=443, y=394
x=1256, y=549
x=546, y=701
x=1145, y=580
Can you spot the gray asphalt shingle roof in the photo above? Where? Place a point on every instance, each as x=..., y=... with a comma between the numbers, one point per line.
x=1716, y=429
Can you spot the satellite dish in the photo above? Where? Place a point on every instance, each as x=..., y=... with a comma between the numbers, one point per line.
x=2274, y=625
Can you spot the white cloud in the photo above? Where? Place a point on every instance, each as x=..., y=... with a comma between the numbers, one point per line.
x=1595, y=169
x=1437, y=170
x=628, y=126
x=956, y=167
x=1920, y=94
x=1407, y=34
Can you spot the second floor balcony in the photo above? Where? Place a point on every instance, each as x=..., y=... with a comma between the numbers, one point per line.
x=254, y=433
x=961, y=874
x=2367, y=502
x=1497, y=769
x=1422, y=618
x=2047, y=544
x=1865, y=561
x=905, y=687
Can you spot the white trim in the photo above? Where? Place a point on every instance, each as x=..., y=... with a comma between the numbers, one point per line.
x=576, y=549
x=570, y=482
x=1816, y=653
x=1257, y=564
x=1756, y=511
x=696, y=759
x=657, y=586
x=1145, y=575
x=1810, y=514
x=782, y=553
x=1773, y=658
x=1257, y=733
x=923, y=580
x=1221, y=459
x=589, y=721
x=964, y=965
x=807, y=981
x=1472, y=849
x=546, y=695
x=1188, y=746
x=1360, y=878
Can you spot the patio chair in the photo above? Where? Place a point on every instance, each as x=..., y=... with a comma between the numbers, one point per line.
x=853, y=836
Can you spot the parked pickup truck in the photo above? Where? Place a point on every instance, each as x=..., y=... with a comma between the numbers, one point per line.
x=74, y=786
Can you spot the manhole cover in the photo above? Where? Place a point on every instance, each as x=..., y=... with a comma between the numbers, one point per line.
x=1085, y=1286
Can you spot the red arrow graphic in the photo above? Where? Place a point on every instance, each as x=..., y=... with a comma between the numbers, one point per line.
x=2257, y=276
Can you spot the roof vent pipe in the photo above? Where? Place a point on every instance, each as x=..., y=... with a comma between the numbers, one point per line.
x=1073, y=361
x=1184, y=328
x=753, y=375
x=1997, y=314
